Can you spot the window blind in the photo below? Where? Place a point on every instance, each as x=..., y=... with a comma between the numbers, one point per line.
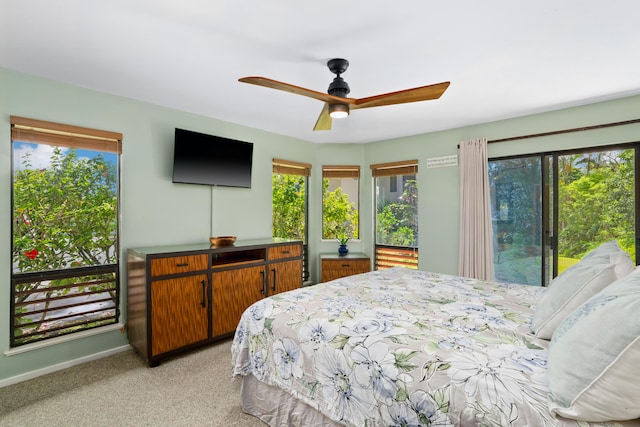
x=407, y=167
x=290, y=167
x=341, y=171
x=42, y=132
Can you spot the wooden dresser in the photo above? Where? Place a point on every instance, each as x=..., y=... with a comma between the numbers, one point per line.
x=181, y=297
x=335, y=266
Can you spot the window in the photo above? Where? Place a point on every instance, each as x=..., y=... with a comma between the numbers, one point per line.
x=550, y=209
x=289, y=204
x=65, y=275
x=340, y=201
x=396, y=222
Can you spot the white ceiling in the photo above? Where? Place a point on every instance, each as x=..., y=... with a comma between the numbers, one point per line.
x=504, y=58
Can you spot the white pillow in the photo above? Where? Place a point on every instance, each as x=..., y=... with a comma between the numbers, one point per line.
x=593, y=365
x=577, y=284
x=611, y=253
x=624, y=264
x=567, y=292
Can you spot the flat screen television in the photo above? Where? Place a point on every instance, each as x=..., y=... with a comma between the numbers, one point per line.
x=200, y=158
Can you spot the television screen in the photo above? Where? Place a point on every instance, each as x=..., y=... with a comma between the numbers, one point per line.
x=211, y=160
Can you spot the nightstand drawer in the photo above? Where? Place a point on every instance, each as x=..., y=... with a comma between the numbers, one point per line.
x=347, y=264
x=336, y=267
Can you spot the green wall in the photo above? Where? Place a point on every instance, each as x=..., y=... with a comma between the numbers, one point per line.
x=156, y=212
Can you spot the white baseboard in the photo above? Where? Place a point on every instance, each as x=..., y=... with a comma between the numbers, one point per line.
x=53, y=368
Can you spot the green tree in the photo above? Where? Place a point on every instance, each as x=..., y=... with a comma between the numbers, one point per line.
x=288, y=206
x=397, y=221
x=339, y=216
x=596, y=203
x=67, y=213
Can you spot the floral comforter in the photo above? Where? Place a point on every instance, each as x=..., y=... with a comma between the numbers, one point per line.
x=402, y=347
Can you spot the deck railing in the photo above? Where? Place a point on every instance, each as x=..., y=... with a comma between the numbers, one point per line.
x=395, y=256
x=53, y=303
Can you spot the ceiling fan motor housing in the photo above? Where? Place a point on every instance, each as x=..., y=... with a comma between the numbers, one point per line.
x=338, y=86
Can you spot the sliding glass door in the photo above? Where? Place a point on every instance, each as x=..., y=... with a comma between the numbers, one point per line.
x=516, y=206
x=550, y=209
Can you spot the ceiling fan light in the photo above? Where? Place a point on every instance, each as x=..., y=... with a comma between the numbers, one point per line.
x=338, y=111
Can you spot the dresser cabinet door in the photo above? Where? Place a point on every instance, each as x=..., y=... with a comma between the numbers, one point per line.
x=179, y=314
x=233, y=291
x=284, y=276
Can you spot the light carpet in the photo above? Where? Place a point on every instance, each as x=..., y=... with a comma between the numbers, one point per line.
x=193, y=389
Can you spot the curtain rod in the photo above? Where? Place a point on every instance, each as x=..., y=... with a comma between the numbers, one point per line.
x=558, y=132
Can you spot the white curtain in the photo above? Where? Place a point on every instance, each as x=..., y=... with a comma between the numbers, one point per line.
x=475, y=254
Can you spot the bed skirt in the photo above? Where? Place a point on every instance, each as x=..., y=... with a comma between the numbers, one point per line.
x=278, y=408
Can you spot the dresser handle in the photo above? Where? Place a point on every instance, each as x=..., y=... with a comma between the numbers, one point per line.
x=346, y=265
x=204, y=294
x=286, y=252
x=183, y=264
x=263, y=291
x=273, y=270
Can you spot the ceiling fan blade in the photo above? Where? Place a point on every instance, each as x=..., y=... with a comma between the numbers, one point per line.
x=423, y=93
x=274, y=84
x=324, y=120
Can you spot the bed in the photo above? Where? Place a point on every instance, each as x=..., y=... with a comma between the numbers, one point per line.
x=397, y=347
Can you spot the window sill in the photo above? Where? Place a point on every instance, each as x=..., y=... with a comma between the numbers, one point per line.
x=66, y=338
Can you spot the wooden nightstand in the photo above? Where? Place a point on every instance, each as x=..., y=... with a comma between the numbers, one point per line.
x=335, y=266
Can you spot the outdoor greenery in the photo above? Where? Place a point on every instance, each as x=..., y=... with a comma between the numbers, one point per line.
x=65, y=217
x=339, y=216
x=66, y=214
x=288, y=202
x=596, y=201
x=396, y=221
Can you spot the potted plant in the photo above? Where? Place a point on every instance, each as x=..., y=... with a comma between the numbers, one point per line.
x=343, y=239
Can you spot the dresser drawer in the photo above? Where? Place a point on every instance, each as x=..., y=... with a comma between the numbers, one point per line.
x=286, y=251
x=178, y=264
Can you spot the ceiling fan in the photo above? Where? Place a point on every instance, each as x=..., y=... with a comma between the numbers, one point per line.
x=336, y=103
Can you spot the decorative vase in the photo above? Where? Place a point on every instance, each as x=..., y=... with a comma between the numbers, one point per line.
x=343, y=250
